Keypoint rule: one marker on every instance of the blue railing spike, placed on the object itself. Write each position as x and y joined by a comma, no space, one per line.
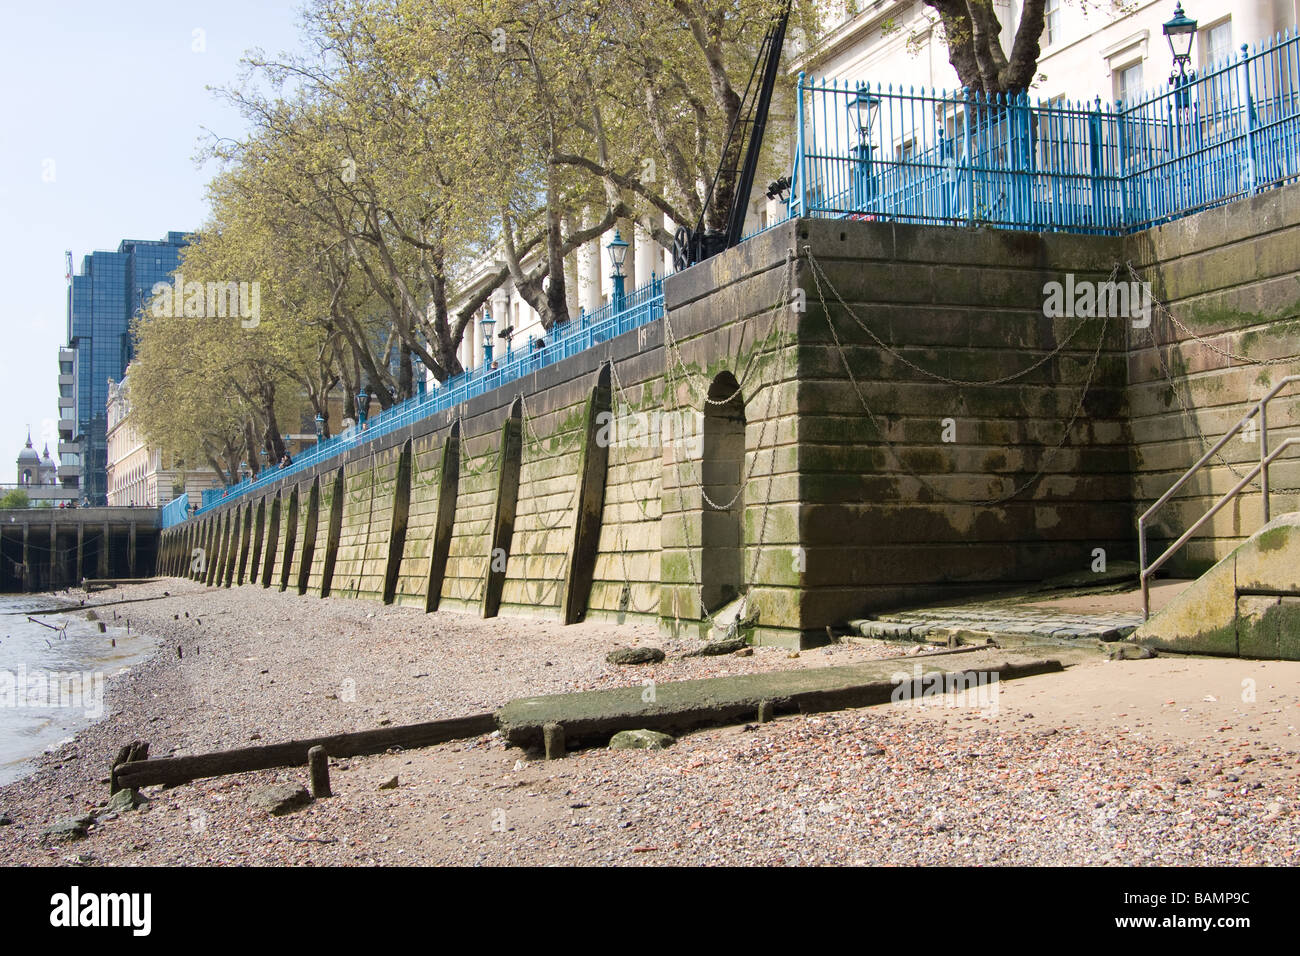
1080,165
1090,164
642,305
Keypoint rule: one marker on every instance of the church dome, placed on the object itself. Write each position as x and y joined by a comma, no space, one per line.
29,464
28,454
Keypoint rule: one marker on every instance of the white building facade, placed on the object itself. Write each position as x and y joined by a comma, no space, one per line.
1089,49
140,475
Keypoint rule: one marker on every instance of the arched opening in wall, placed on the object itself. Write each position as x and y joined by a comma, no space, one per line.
509,460
591,500
722,469
448,487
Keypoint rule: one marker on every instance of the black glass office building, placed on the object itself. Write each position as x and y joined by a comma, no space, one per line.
111,289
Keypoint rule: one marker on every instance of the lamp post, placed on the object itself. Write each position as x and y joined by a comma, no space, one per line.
1180,32
617,256
863,109
320,428
244,471
487,324
363,405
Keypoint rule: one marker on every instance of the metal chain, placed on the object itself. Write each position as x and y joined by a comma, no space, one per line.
674,348
778,309
564,512
705,615
523,406
463,448
1206,444
1226,353
1048,456
620,391
818,275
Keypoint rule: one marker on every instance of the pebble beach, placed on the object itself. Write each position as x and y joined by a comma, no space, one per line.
1159,761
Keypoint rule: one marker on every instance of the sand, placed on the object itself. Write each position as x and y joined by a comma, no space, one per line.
1107,763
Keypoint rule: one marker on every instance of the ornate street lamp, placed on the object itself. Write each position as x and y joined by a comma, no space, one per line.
363,405
417,375
486,325
320,428
863,109
1180,32
617,256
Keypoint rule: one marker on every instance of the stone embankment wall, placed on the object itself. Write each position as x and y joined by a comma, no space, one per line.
1229,331
833,418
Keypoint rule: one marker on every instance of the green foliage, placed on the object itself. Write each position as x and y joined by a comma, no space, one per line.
418,156
17,498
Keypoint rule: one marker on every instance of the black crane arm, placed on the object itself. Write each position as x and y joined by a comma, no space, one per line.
692,246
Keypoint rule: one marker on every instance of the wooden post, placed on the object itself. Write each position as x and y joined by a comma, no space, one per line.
135,750
52,583
27,558
79,570
319,763
764,711
553,741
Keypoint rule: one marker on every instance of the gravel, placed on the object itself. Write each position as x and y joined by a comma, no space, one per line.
882,785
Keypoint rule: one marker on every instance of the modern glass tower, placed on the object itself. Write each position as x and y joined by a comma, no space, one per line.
111,289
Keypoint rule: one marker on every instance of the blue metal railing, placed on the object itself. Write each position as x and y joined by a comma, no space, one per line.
640,307
953,158
176,511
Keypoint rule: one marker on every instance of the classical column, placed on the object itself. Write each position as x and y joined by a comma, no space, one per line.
649,256
500,316
632,275
571,296
591,294
1251,23
473,340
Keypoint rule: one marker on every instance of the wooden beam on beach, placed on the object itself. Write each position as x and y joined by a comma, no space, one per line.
177,770
78,608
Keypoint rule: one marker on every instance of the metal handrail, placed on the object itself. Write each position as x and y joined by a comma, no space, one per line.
1266,458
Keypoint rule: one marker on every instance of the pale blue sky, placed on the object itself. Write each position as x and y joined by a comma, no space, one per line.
101,113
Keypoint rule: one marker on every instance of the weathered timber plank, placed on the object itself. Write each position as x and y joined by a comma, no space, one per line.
174,770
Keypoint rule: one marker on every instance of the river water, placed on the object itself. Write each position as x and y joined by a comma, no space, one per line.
53,673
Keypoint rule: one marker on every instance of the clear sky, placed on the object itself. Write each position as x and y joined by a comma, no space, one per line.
101,115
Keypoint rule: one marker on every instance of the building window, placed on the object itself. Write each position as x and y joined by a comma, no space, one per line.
1128,83
1216,43
1052,21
